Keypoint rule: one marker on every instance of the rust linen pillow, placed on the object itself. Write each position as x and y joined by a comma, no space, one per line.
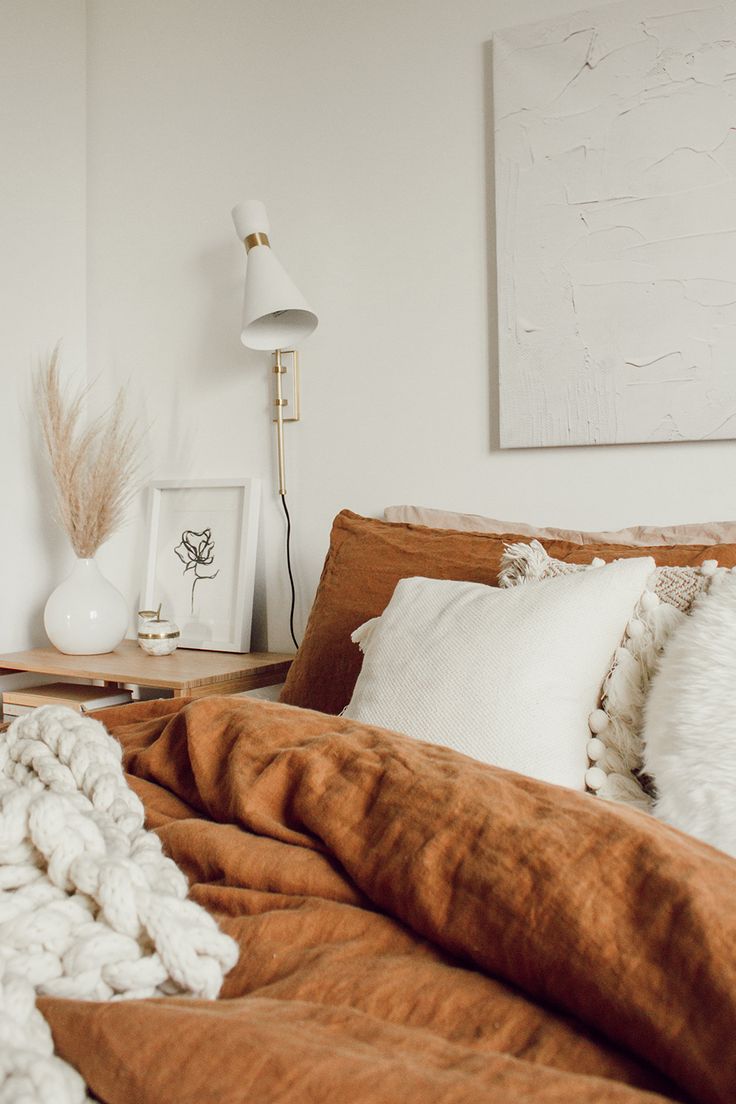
365,561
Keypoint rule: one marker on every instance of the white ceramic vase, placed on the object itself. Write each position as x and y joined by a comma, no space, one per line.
86,615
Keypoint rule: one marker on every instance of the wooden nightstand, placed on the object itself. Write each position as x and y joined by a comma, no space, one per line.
190,674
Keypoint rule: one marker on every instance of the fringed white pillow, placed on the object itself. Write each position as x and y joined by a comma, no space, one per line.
616,749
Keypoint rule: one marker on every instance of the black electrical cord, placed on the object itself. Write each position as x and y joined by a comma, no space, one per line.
291,574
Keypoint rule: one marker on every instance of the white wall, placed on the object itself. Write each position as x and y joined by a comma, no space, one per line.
42,281
366,130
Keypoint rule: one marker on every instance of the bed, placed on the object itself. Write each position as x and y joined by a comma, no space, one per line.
412,924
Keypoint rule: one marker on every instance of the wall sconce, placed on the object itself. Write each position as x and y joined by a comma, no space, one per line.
276,317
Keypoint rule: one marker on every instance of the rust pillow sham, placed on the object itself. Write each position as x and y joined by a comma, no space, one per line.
366,559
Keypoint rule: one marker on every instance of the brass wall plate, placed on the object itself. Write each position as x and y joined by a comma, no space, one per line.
290,398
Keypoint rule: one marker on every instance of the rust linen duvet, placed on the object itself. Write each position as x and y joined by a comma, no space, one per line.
414,926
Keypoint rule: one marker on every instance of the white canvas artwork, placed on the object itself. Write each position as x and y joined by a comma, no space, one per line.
616,225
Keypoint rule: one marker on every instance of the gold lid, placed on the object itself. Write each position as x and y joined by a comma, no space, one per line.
159,635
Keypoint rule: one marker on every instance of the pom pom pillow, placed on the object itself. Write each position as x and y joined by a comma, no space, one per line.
616,745
507,677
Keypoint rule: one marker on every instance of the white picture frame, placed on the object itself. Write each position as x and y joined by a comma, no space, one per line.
203,531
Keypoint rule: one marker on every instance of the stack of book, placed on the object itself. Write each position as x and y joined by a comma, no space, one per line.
85,699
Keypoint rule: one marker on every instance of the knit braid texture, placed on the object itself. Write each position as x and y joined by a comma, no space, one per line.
90,907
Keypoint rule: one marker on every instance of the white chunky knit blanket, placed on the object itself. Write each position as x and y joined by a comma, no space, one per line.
90,908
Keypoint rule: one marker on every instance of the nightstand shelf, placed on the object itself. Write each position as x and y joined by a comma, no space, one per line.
188,673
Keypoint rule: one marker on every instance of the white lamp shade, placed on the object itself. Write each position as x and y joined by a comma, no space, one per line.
275,313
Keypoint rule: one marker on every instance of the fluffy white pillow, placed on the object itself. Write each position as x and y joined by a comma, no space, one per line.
506,676
690,721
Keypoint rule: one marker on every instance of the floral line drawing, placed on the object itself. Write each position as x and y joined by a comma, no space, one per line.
196,550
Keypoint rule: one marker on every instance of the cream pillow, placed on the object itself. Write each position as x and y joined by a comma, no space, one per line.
507,677
707,532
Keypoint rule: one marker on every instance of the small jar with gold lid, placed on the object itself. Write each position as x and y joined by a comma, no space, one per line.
157,635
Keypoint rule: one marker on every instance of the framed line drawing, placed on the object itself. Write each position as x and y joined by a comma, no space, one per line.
201,558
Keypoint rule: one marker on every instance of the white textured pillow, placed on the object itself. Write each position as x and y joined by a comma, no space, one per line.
508,677
690,721
677,586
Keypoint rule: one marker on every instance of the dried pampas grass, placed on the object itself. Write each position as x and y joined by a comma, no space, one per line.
94,467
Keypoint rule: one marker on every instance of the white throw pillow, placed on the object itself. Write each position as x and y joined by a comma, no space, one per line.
690,721
505,676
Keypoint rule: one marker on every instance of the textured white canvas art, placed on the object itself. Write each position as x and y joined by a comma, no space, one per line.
616,225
